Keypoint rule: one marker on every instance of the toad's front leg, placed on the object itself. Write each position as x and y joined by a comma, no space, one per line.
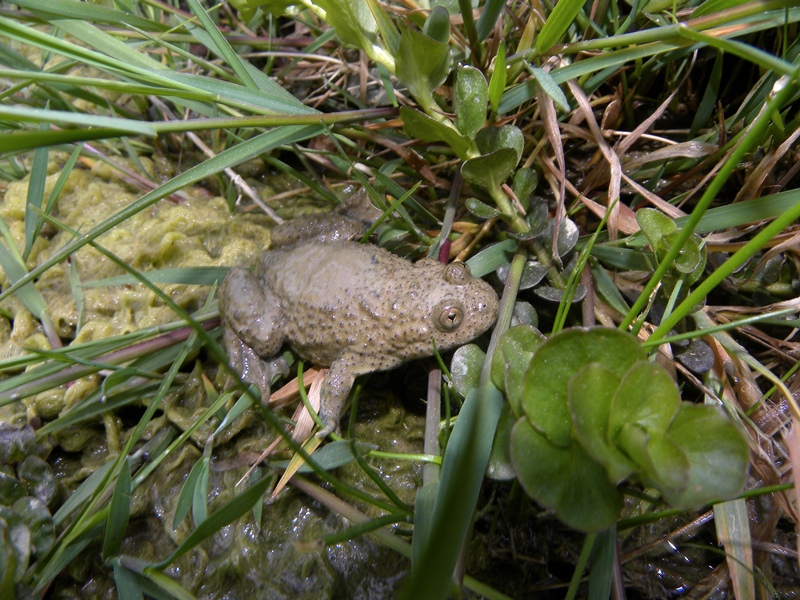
339,381
252,323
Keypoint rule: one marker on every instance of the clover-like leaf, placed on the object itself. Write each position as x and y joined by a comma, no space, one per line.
591,393
511,360
551,294
717,453
689,257
564,479
568,235
545,386
470,100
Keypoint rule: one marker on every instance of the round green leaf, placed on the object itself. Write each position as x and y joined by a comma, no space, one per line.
40,524
717,452
565,480
465,368
647,396
422,64
545,394
511,360
591,392
689,257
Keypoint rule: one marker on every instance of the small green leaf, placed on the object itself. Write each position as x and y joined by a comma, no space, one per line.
490,171
525,183
479,209
655,225
689,258
490,139
500,467
564,479
661,462
550,87
420,125
119,512
511,361
465,368
386,27
646,396
437,25
37,518
470,99
591,393
422,65
717,452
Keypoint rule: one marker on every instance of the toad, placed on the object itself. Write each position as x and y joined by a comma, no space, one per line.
356,308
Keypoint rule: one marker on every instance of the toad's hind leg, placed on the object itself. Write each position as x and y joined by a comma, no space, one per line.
252,324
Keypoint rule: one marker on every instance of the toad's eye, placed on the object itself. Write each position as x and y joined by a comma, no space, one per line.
457,273
448,315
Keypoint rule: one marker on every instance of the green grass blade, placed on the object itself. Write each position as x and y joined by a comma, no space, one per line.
36,185
226,514
187,492
84,11
491,11
217,43
40,115
181,275
557,23
125,582
200,493
733,534
119,512
463,468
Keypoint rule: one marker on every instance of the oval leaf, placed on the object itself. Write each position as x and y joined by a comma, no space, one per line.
470,99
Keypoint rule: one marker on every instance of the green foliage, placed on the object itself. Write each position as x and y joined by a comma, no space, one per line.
593,412
662,233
